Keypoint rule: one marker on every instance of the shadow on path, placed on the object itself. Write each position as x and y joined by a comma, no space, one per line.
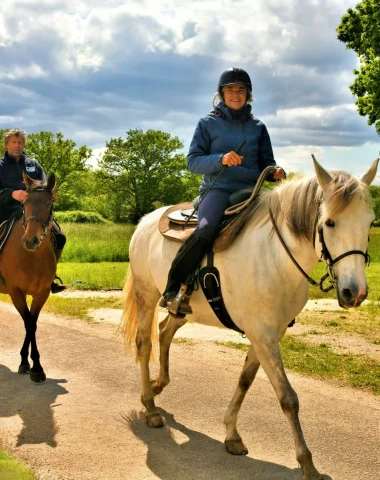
33,403
197,456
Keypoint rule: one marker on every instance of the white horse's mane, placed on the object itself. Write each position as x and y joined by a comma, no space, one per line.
299,204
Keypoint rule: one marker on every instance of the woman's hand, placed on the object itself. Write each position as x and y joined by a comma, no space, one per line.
279,174
231,159
19,195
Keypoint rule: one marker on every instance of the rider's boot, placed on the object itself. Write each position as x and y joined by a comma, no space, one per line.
184,264
56,287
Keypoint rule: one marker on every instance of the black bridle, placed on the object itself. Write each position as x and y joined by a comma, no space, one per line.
45,225
325,255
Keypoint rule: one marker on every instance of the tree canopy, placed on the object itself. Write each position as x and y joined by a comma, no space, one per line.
360,31
146,172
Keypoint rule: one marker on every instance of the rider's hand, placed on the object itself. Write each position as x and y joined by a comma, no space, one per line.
231,158
279,174
19,195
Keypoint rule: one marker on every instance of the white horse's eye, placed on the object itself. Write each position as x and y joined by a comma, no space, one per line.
330,223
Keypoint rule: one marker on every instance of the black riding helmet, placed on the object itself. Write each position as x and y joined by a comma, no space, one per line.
234,75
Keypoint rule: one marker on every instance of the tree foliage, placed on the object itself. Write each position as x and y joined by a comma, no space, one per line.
360,31
145,171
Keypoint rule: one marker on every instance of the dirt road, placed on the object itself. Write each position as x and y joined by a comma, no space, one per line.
85,421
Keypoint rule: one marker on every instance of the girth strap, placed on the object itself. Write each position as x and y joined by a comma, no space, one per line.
209,279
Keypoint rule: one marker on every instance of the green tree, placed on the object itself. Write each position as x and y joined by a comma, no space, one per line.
144,171
360,31
58,155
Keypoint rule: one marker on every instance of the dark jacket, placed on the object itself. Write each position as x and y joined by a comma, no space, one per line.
11,179
218,133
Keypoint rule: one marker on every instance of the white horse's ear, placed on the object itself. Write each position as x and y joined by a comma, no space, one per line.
324,178
370,174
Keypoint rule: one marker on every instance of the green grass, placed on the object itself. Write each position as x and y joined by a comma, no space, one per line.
322,362
93,276
96,243
11,469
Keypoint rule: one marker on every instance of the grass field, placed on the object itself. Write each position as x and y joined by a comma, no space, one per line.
11,469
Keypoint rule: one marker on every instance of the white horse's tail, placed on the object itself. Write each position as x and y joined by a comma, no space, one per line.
128,324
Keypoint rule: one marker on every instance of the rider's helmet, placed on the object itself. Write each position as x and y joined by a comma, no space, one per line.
234,75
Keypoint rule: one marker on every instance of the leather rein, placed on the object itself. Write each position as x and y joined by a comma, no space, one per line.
45,225
325,255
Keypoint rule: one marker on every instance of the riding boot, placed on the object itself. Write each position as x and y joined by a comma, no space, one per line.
56,287
184,264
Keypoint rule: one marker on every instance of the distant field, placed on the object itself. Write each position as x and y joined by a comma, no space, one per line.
89,243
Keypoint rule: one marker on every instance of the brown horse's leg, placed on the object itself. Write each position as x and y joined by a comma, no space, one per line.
168,327
269,356
19,301
37,373
233,441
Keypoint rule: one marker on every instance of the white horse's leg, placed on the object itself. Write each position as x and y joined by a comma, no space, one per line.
269,357
168,328
233,441
146,304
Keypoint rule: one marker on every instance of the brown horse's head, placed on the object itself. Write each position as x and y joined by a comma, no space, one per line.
38,211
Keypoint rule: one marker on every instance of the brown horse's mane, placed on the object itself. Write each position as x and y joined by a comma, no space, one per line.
299,204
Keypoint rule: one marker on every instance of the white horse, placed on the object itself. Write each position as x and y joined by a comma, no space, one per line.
257,275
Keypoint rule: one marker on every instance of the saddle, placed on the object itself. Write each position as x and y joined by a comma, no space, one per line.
178,222
5,230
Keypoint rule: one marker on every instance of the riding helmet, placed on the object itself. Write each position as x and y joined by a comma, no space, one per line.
234,75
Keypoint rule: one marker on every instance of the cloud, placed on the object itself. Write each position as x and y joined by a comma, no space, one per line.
93,70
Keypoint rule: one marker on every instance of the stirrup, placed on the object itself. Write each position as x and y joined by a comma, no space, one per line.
177,305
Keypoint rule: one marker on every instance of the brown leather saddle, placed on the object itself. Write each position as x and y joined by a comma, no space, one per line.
5,230
178,222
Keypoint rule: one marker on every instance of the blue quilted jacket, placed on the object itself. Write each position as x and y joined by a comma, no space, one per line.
218,133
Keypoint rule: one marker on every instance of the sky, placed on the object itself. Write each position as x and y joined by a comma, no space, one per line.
93,70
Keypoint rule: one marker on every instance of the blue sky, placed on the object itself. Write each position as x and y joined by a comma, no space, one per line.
95,69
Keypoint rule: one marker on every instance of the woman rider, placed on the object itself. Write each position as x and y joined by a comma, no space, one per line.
212,148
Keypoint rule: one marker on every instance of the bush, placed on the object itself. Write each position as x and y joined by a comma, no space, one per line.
77,216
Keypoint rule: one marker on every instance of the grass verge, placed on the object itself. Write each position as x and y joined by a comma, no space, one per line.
11,469
93,276
74,306
322,362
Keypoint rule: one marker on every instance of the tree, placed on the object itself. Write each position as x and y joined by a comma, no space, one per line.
360,31
57,154
144,171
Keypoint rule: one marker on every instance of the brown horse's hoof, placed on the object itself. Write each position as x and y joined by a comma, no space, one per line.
154,420
23,369
38,377
236,447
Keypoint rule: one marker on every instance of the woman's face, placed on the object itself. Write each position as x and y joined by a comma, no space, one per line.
235,96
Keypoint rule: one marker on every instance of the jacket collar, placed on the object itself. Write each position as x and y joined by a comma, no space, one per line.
241,115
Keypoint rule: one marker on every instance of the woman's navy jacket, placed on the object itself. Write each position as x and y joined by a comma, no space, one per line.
11,179
218,133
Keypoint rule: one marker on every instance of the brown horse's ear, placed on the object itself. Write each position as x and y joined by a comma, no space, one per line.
27,180
51,182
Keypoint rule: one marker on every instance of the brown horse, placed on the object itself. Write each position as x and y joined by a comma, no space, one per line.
28,265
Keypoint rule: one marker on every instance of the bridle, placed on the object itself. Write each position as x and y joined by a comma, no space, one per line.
45,225
325,255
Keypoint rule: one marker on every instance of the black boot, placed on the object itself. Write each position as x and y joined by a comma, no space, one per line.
184,264
56,287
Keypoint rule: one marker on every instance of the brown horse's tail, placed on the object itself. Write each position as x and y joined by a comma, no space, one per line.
128,325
